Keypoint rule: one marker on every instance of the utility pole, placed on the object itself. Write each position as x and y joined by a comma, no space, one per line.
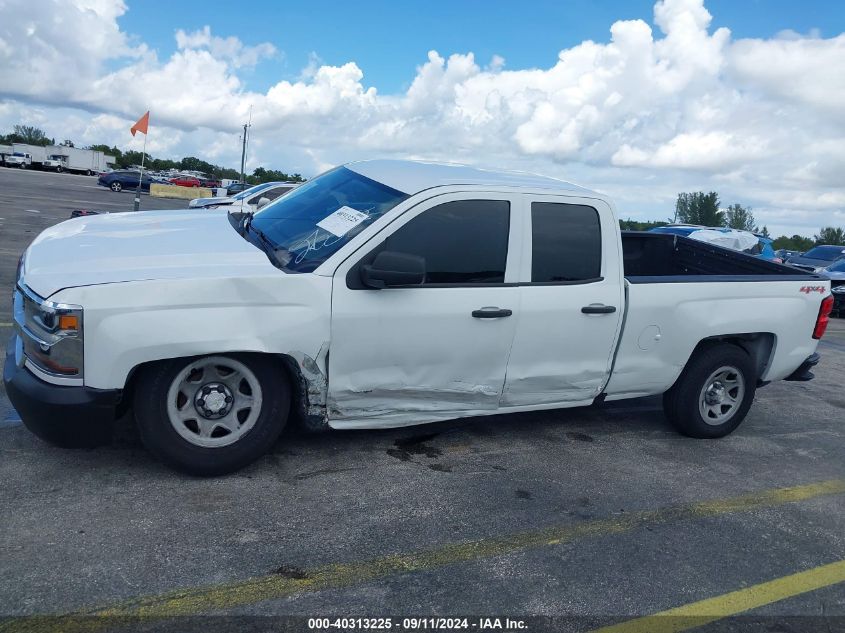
243,146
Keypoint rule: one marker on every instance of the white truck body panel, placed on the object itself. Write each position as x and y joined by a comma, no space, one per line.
72,158
159,285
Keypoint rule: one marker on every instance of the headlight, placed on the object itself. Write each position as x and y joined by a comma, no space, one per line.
51,334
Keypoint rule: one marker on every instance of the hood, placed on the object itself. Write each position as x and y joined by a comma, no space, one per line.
809,261
104,249
204,202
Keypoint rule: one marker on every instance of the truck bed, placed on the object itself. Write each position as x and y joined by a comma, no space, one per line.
680,291
663,258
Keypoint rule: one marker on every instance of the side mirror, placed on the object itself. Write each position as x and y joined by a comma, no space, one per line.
393,269
263,202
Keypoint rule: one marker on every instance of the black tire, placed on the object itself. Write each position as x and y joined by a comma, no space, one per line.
161,438
116,187
59,169
684,401
23,165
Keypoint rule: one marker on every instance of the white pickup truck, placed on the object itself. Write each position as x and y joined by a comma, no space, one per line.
384,294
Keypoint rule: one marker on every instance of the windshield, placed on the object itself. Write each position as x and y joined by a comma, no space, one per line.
313,221
825,252
248,192
838,267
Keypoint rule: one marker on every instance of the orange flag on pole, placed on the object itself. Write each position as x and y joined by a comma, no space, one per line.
141,125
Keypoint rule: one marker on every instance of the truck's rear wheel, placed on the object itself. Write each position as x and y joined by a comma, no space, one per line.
714,392
213,414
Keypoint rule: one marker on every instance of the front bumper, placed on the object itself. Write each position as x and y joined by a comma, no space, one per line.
71,417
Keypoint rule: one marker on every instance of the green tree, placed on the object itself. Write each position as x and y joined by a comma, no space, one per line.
131,158
738,217
765,232
831,235
794,243
270,175
699,208
67,143
31,135
636,225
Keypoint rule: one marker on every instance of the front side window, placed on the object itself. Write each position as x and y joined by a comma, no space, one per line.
566,242
309,224
462,242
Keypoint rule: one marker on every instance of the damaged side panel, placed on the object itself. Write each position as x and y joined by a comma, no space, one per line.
402,356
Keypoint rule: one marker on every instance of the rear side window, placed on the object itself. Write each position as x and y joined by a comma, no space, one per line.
463,242
566,242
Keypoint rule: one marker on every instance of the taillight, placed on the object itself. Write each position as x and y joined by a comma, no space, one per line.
824,317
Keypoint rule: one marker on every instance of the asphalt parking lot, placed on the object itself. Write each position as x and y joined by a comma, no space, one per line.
602,515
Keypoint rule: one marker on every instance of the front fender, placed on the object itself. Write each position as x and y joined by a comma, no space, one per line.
128,324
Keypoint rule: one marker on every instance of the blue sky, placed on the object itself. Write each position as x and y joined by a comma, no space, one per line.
742,97
388,40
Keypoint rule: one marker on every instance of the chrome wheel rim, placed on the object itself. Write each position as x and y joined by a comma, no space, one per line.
721,396
214,401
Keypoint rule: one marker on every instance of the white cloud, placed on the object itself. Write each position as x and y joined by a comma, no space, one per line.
230,49
659,108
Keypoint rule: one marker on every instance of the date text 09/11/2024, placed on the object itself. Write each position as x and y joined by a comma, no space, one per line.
417,624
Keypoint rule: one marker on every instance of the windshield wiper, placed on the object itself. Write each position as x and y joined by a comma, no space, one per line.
266,244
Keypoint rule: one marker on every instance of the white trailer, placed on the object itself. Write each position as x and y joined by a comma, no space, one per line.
60,158
83,161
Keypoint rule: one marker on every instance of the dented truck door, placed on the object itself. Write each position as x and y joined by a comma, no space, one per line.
571,306
409,353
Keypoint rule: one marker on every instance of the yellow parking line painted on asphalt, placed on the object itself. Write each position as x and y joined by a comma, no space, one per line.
705,611
199,600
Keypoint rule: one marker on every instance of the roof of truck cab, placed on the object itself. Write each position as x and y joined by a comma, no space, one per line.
412,176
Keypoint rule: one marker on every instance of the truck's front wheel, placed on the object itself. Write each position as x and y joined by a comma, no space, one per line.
714,392
214,414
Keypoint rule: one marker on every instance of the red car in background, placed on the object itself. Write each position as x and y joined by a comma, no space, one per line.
185,181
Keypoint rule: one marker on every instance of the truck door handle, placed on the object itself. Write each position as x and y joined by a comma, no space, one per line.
490,312
598,308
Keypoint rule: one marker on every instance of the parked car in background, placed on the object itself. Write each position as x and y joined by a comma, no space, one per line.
252,199
185,181
121,179
818,258
785,253
236,187
211,183
836,273
744,241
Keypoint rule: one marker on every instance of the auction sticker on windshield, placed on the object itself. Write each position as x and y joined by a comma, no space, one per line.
342,221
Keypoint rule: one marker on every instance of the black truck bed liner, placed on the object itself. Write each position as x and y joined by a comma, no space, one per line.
664,258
